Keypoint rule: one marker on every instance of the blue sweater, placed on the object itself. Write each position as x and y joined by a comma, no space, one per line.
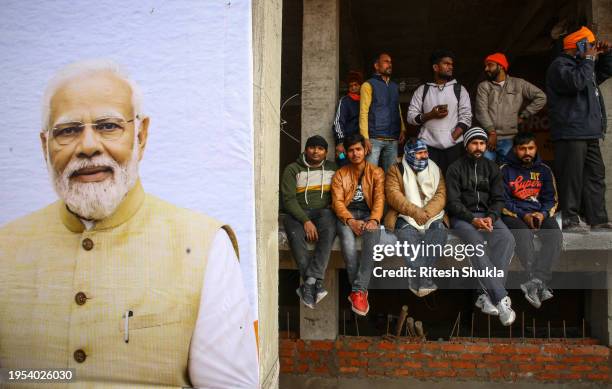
346,121
528,190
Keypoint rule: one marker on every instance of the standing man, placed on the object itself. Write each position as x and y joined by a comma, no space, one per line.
305,188
442,110
498,101
578,122
347,115
380,116
531,201
358,199
475,193
416,195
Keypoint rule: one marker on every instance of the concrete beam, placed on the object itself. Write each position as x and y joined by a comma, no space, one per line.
320,62
322,322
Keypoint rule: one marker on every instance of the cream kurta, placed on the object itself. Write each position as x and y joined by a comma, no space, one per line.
149,257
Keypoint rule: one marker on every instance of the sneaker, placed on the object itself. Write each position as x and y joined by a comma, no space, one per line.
486,306
506,314
545,293
426,287
359,302
307,294
320,291
603,227
574,227
531,289
413,285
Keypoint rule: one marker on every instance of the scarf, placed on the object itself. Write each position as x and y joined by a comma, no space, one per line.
410,150
419,188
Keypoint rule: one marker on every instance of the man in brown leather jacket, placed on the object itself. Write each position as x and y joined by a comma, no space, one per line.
358,199
416,194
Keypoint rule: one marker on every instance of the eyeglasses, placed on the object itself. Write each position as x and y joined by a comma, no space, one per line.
107,128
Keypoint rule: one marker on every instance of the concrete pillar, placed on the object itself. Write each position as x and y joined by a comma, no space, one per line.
322,322
267,34
320,61
602,27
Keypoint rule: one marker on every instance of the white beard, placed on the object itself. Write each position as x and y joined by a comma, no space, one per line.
95,200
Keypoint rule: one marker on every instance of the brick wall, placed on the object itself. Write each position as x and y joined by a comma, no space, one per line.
497,360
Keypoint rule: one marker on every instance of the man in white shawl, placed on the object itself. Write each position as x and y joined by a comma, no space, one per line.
416,195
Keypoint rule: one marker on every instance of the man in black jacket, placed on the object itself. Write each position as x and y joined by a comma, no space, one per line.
578,122
475,198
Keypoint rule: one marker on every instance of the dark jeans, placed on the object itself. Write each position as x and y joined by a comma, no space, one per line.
436,234
444,157
358,265
498,252
581,173
312,265
538,266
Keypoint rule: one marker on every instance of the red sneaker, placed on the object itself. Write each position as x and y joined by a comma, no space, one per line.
359,302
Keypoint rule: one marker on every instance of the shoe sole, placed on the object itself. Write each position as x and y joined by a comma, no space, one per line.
509,323
530,300
425,292
481,307
311,306
357,311
321,296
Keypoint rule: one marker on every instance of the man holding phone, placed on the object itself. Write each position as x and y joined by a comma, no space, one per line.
443,111
530,198
578,122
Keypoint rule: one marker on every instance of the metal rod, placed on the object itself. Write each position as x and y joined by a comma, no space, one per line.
489,327
510,329
288,331
564,333
472,330
549,329
344,321
356,324
523,325
533,327
453,330
459,325
583,329
402,318
388,320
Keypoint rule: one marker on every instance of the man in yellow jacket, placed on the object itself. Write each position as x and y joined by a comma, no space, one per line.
124,288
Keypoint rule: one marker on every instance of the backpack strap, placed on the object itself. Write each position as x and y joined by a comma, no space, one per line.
425,89
457,89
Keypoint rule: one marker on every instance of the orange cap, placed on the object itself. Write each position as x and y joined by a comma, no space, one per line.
498,58
569,42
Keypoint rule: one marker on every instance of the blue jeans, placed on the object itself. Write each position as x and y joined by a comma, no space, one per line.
383,150
358,266
499,155
436,235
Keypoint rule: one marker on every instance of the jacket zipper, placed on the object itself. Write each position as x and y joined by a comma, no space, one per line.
476,185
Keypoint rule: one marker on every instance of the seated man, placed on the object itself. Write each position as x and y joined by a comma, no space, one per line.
416,195
358,199
475,193
531,202
305,188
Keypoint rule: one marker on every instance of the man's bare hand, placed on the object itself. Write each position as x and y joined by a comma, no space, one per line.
528,219
437,112
488,223
340,149
538,218
421,217
312,235
371,225
457,133
368,146
356,226
483,223
492,142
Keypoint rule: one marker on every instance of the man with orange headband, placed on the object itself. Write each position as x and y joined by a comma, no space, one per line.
498,105
578,122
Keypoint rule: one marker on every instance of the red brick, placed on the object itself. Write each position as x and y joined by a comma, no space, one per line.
360,345
421,373
556,367
321,370
389,364
413,365
431,346
321,345
466,373
530,367
357,362
309,355
544,358
419,356
286,368
503,349
394,355
386,346
286,361
371,355
444,373
349,369
401,372
520,358
548,376
303,368
286,352
598,377
554,349
478,348
527,349
438,364
287,344
463,365
495,358
603,368
339,344
571,376
410,346
590,350
347,354
299,344
453,347
471,357
581,368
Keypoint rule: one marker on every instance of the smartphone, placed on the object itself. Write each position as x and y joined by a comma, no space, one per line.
443,107
341,156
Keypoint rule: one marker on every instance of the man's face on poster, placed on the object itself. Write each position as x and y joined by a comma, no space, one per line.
93,144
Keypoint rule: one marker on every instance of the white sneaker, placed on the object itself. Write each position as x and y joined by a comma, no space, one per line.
486,306
506,314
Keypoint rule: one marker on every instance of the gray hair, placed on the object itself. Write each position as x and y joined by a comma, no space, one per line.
82,68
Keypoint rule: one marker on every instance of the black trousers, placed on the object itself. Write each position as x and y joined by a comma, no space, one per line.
538,265
581,174
444,157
